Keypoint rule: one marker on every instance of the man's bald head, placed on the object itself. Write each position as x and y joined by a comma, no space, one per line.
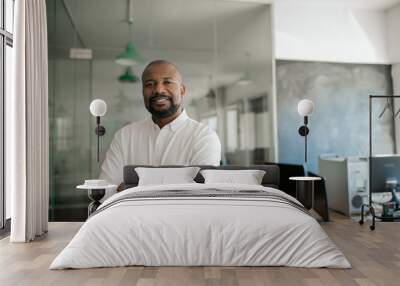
163,89
158,63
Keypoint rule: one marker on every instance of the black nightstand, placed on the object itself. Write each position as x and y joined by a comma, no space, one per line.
95,194
305,190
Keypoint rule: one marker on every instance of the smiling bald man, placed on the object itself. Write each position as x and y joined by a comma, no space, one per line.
169,137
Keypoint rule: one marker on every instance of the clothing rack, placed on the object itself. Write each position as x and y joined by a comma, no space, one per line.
369,205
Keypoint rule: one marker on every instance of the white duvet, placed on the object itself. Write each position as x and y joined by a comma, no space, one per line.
200,231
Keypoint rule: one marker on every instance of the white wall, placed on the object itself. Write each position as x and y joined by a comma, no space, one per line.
330,33
393,34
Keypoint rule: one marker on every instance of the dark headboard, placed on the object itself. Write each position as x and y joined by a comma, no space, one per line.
270,179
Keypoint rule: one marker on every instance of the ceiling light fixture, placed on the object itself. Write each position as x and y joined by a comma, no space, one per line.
128,76
130,56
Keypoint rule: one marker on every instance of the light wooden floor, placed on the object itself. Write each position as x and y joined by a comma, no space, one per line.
374,255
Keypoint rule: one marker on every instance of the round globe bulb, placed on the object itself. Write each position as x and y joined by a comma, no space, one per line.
98,107
305,107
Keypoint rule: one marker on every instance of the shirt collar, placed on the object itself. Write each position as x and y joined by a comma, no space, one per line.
175,124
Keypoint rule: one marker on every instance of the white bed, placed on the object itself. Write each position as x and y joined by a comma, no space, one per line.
206,230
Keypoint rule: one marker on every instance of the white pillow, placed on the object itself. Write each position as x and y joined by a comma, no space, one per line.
163,176
248,177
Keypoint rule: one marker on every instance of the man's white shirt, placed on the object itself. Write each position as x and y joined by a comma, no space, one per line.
184,141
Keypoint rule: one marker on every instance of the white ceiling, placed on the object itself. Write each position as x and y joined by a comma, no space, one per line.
183,27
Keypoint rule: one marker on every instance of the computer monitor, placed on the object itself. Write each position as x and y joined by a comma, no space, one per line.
385,173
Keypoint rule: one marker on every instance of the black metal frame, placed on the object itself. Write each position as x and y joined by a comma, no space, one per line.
95,195
100,131
303,131
369,206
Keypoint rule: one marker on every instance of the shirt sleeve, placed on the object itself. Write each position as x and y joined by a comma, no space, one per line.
207,149
111,169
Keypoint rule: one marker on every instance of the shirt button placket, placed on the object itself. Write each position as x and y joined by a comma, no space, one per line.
159,146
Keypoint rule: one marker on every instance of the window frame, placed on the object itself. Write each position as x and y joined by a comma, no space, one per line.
6,39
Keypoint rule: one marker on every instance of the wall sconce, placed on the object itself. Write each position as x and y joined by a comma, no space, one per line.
98,108
305,107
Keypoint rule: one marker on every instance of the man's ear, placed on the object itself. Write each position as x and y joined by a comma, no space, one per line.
183,90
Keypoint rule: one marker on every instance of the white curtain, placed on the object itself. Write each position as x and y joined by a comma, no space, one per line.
27,124
396,91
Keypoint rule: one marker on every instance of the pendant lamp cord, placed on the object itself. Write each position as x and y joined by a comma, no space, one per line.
130,19
130,30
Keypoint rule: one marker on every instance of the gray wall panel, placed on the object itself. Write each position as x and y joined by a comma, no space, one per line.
339,123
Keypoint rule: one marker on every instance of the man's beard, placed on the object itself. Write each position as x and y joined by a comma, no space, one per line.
173,108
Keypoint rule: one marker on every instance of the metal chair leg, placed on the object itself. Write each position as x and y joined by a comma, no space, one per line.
372,210
361,221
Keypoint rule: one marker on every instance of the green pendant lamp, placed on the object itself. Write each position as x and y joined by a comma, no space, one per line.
128,76
130,56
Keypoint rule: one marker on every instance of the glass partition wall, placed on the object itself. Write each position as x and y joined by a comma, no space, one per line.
223,50
69,122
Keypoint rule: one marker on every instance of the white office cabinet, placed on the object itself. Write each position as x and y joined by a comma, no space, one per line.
346,181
